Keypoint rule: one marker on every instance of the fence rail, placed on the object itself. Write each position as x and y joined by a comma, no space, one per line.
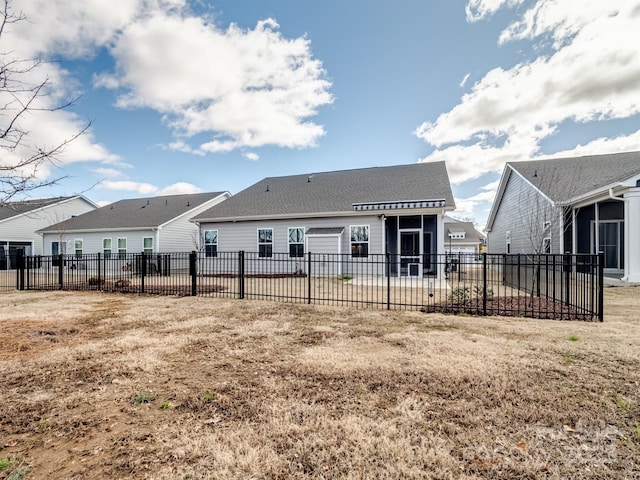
564,287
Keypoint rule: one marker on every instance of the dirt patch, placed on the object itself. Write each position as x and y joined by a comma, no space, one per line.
99,385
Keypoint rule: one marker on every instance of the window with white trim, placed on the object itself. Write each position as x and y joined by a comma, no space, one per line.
546,245
147,245
77,247
106,247
265,242
359,238
211,243
122,248
296,241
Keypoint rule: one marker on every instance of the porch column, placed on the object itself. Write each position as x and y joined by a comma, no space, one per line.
632,235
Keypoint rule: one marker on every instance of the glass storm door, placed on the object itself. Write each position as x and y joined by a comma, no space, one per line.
410,253
610,235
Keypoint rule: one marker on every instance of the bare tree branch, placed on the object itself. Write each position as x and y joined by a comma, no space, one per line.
21,159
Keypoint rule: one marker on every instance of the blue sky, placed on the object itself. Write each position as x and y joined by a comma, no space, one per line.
190,96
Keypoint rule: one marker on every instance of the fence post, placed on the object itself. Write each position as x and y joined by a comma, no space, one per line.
99,264
567,279
143,272
20,264
601,286
241,274
309,277
388,267
484,284
60,270
193,273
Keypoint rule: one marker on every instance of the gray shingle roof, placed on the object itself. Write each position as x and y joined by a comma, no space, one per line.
457,226
13,209
336,191
135,213
562,179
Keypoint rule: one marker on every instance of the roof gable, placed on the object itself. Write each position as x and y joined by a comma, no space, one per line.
564,179
14,209
338,191
138,213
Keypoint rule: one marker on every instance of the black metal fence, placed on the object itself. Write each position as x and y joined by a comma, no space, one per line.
568,287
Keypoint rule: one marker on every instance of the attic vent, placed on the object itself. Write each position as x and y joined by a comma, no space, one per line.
188,203
267,188
309,178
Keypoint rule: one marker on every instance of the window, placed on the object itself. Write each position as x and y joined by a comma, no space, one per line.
211,243
147,245
359,240
296,242
77,246
58,248
508,241
265,242
546,241
122,248
106,247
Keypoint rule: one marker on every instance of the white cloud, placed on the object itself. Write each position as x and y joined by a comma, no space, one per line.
179,188
251,156
469,207
130,186
108,172
477,10
150,189
464,80
246,88
591,74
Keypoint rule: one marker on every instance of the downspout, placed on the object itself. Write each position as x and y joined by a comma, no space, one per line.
613,197
157,245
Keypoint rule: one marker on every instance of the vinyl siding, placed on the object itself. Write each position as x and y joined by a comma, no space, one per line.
181,235
23,228
517,214
92,242
233,237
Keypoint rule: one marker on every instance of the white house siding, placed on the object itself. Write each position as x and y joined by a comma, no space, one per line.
233,237
92,241
23,227
514,215
180,234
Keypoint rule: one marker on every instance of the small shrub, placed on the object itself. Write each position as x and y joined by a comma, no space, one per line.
164,405
460,296
95,281
346,278
4,463
144,397
479,291
574,338
122,283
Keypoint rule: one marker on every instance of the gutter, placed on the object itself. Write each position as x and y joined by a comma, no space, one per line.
613,197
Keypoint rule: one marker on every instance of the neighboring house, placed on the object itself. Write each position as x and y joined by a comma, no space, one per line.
149,225
571,205
362,212
462,238
19,222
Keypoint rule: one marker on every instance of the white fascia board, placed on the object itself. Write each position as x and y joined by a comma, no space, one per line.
188,212
504,179
101,230
40,209
600,193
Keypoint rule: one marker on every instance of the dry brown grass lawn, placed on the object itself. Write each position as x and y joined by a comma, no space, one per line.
114,386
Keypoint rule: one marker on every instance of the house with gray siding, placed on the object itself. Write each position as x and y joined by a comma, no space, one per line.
150,225
19,222
573,205
462,238
357,214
